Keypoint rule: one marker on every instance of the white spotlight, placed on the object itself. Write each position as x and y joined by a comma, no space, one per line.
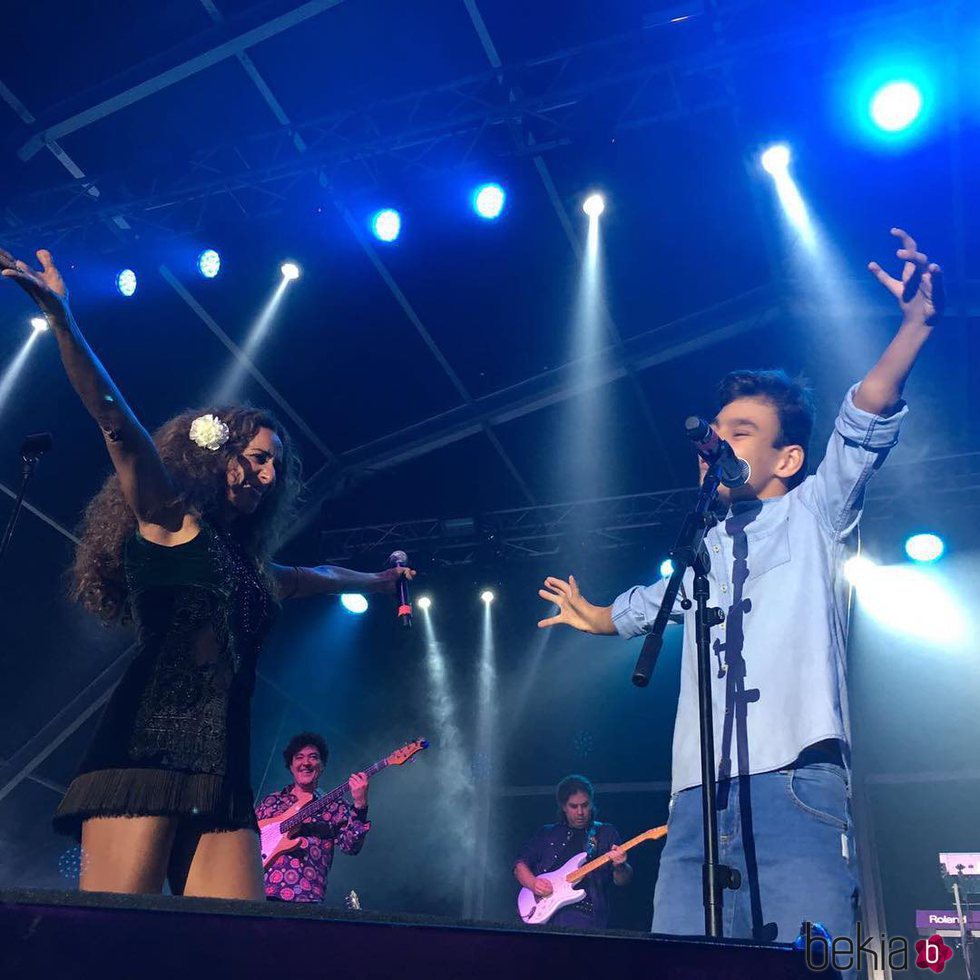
776,159
487,596
488,201
209,263
896,106
594,205
859,570
666,568
386,225
39,323
910,601
354,603
290,270
425,603
126,283
924,547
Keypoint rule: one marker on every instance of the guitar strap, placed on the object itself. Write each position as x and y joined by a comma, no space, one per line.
590,838
591,844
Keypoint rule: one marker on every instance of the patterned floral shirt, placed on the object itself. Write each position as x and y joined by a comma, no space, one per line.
301,875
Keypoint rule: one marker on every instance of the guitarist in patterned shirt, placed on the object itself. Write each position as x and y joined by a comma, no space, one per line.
300,875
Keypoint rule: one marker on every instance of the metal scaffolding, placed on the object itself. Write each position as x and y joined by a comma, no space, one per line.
617,522
598,90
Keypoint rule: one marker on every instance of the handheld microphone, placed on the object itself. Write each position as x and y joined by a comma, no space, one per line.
732,470
398,559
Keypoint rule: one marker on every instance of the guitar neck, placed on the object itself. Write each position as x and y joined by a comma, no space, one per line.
579,873
313,809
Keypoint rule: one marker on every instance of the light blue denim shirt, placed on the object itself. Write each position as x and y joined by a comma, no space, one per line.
779,666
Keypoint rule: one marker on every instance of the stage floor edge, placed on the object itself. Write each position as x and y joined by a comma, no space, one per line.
68,935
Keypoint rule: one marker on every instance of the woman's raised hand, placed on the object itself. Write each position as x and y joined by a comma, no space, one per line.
45,285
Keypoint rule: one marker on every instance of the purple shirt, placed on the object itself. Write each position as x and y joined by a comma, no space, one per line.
301,875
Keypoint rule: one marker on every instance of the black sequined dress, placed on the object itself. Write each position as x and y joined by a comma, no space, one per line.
174,738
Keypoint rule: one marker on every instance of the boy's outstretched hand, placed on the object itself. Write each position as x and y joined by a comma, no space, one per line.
574,609
919,292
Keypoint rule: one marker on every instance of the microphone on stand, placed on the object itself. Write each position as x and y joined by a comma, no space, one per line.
732,470
398,559
31,450
36,445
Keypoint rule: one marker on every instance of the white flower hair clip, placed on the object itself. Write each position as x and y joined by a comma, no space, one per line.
209,432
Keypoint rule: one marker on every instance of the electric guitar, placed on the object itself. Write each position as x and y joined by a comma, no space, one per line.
537,911
277,834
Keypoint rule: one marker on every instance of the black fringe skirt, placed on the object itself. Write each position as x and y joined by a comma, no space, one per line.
208,800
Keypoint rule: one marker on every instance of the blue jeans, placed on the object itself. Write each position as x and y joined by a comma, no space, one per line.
789,835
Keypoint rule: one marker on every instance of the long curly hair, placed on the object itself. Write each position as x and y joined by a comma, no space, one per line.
200,478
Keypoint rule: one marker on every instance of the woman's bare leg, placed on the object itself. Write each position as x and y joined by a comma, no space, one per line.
125,854
225,864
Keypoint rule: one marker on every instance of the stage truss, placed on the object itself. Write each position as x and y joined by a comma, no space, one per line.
898,492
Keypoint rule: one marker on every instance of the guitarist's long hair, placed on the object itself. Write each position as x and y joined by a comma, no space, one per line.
575,783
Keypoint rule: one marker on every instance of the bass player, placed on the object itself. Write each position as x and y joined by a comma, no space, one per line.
300,875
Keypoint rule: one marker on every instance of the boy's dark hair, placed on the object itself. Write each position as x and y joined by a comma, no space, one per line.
300,741
791,398
571,785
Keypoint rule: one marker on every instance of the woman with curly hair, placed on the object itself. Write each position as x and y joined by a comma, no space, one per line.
178,542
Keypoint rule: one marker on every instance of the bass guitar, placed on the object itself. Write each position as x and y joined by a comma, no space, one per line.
278,834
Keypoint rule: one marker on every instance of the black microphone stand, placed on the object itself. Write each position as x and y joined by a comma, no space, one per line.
689,552
33,448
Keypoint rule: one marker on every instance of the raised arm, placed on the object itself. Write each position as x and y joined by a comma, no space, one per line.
146,486
868,425
920,298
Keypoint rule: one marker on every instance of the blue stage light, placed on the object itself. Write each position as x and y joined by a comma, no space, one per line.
896,106
354,602
488,201
925,547
666,568
386,225
126,282
209,263
891,97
